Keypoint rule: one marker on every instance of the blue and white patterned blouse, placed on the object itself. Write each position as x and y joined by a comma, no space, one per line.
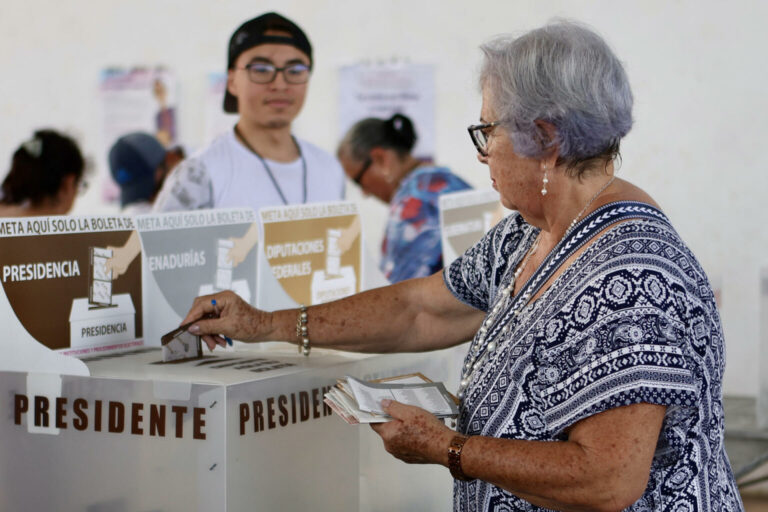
632,320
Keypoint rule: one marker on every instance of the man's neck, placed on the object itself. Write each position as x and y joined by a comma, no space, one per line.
272,143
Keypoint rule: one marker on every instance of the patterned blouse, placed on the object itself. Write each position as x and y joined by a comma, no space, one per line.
632,320
411,246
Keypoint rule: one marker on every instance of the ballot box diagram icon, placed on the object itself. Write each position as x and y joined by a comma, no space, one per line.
185,263
314,259
334,281
61,290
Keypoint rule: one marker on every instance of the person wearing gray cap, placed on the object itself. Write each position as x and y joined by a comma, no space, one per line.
259,162
139,164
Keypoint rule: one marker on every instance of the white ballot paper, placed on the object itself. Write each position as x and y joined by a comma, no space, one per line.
358,401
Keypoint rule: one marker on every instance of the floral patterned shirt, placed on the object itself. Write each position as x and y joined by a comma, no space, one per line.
411,246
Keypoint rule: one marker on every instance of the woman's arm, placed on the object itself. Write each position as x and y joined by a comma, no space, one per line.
603,465
411,316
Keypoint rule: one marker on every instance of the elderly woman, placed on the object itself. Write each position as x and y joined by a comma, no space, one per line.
594,378
376,154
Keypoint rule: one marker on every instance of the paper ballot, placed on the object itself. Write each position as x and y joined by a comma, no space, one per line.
359,401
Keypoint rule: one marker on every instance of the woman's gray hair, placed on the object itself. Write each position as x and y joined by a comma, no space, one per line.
566,75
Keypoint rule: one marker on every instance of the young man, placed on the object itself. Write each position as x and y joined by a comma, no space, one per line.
259,163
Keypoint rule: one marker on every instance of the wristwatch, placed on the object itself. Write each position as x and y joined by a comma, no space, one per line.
454,458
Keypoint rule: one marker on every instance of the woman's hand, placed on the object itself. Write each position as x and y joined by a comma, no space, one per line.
233,318
414,436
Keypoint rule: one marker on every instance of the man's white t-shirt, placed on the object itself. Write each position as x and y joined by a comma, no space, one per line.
226,174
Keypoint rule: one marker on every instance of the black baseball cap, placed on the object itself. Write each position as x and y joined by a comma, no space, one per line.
251,33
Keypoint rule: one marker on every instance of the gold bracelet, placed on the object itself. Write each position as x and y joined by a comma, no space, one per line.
454,458
302,332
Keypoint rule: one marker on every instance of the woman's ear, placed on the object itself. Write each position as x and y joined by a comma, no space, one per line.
384,162
379,156
65,197
547,140
68,184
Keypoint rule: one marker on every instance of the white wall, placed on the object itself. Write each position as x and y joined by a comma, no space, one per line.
697,69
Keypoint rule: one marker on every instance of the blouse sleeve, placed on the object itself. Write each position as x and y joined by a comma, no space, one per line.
622,336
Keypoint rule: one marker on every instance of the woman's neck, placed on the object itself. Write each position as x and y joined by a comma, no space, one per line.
271,143
409,164
570,199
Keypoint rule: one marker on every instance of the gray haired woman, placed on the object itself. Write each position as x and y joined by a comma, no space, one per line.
593,381
376,154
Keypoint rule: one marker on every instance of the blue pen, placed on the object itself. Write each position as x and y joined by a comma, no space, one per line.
216,310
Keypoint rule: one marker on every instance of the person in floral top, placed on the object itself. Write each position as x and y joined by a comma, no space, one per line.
376,154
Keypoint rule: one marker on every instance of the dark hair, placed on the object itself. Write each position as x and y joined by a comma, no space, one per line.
38,167
396,133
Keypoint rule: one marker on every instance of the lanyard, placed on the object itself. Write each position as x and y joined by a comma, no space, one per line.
269,171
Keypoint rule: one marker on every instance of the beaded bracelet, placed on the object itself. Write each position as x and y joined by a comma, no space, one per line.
302,332
454,458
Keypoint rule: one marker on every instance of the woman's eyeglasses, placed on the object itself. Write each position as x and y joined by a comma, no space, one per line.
479,133
357,179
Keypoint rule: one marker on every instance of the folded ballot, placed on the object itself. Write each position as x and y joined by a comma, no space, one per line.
358,401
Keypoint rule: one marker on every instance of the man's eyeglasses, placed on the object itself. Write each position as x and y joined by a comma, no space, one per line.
265,73
357,179
479,133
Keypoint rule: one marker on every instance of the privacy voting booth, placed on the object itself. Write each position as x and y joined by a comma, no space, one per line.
93,420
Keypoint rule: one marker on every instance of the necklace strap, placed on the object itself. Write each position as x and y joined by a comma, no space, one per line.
269,171
573,240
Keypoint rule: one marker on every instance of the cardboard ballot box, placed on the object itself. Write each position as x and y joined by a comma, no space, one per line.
235,430
91,324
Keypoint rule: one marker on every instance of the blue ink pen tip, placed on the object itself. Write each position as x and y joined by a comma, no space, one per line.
229,340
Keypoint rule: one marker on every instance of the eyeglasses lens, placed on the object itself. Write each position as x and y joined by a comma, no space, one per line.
482,139
263,73
359,178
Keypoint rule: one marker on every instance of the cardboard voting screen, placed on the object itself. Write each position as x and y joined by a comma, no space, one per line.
311,254
187,254
64,288
465,217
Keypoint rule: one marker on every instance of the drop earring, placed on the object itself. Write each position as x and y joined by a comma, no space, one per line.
544,182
